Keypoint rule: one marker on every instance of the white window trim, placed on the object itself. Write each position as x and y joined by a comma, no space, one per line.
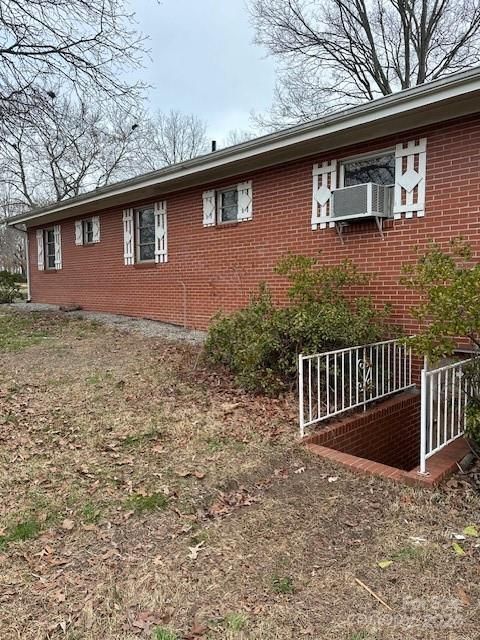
218,209
136,212
361,156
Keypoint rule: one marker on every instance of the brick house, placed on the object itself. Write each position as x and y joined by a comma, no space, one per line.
371,183
183,242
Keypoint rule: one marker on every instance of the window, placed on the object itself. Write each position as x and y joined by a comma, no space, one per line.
87,231
379,169
49,247
145,234
227,205
233,204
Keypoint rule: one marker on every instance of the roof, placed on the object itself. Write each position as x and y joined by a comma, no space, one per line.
447,98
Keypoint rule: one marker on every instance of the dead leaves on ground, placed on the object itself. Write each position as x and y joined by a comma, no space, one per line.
228,502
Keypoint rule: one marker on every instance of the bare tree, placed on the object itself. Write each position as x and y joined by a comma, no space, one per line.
12,250
237,136
174,137
84,44
70,149
336,53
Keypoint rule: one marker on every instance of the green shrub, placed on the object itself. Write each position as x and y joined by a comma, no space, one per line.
9,289
260,343
471,381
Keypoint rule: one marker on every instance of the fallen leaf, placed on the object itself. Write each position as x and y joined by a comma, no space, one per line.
463,595
417,540
68,525
458,549
197,631
300,470
458,536
471,530
194,551
383,564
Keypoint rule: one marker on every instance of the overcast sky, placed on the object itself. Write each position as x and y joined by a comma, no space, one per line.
204,61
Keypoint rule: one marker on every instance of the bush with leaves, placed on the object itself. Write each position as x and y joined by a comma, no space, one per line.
9,288
260,343
448,282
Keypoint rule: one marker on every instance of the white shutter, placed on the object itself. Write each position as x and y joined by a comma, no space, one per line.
324,182
128,236
58,246
245,201
161,232
96,228
209,207
410,171
78,232
40,253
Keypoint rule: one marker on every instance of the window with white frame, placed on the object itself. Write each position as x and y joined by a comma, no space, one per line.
378,168
227,205
145,234
230,204
402,168
87,231
49,247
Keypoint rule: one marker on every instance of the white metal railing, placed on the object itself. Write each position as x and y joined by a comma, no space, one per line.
444,399
337,381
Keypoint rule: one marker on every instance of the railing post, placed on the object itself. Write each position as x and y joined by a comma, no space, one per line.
423,419
300,395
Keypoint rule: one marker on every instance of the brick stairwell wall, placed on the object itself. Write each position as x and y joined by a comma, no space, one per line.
388,432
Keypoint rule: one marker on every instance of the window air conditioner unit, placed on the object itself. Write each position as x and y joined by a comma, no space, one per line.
361,201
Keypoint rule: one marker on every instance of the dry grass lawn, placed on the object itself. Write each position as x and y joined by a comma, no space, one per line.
141,497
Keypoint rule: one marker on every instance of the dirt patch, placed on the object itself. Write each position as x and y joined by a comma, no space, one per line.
142,496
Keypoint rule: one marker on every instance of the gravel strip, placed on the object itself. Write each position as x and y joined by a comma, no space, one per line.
148,328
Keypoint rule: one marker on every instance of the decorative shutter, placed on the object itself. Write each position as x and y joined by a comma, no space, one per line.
96,228
161,232
410,170
209,207
245,201
41,256
78,232
324,182
128,236
58,246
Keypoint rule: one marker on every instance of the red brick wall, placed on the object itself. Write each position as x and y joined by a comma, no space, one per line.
219,267
388,433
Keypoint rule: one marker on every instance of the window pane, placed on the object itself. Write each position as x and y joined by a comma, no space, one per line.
147,252
380,170
87,231
146,233
49,247
146,217
229,205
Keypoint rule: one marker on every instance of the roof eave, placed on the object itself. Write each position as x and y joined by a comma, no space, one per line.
408,109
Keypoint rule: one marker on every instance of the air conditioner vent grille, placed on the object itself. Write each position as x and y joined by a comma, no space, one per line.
362,201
